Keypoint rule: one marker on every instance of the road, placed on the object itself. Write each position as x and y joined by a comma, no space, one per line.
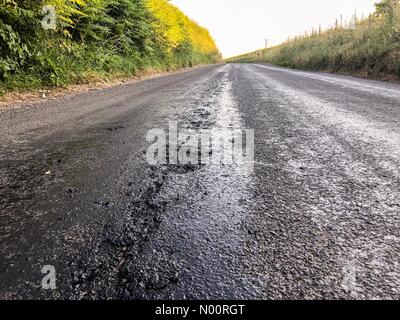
318,218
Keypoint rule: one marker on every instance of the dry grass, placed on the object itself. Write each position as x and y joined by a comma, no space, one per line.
371,48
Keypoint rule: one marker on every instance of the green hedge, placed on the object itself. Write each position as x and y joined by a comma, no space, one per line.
93,39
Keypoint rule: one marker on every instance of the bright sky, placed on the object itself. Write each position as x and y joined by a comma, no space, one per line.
240,26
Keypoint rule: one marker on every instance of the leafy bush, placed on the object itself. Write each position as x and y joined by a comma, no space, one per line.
95,39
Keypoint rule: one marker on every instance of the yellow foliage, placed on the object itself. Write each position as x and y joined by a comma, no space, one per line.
176,27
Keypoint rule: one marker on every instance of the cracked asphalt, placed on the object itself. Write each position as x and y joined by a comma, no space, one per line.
318,218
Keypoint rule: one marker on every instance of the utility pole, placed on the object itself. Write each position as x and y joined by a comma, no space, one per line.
266,43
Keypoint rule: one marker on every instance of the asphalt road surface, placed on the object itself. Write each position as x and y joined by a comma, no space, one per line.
318,218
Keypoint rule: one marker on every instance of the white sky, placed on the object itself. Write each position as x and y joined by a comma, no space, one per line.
241,26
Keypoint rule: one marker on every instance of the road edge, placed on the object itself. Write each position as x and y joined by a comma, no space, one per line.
26,98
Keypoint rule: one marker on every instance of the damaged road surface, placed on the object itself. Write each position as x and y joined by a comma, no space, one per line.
317,218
